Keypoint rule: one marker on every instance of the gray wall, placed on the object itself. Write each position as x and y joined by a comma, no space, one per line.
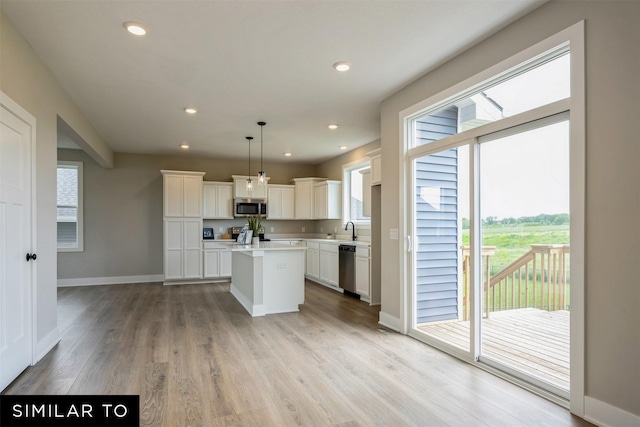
332,169
123,211
26,80
612,232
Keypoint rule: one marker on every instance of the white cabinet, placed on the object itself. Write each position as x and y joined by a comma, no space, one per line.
182,229
313,260
182,194
362,272
376,166
217,261
281,202
304,197
217,200
182,252
366,192
327,197
240,188
329,263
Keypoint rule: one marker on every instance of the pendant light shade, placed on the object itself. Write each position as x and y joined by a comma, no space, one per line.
262,175
249,183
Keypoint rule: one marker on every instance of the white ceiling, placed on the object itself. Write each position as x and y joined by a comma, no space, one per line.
240,62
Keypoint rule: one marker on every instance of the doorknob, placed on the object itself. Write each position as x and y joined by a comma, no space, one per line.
31,257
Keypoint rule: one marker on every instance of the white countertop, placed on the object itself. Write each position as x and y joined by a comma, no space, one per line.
266,246
232,243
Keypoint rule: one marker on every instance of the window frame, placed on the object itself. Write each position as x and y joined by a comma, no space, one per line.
362,163
79,246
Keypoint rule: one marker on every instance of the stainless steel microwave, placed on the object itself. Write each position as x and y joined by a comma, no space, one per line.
248,207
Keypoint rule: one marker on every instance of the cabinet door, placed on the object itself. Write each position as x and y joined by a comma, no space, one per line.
224,200
211,263
225,263
173,245
192,249
209,200
376,170
287,207
192,193
366,194
329,267
320,201
313,263
362,276
274,201
304,200
173,195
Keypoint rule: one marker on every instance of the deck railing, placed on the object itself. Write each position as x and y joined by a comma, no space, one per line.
537,279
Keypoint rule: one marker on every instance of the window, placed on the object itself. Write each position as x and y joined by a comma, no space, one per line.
69,207
541,81
355,192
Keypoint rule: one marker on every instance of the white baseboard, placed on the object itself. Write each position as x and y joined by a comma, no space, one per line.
113,280
603,414
253,310
45,345
390,322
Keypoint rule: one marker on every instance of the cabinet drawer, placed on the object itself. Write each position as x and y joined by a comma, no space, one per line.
362,252
313,245
329,247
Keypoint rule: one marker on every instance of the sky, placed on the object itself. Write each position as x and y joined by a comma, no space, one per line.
528,173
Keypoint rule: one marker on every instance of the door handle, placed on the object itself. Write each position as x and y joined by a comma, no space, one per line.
31,257
410,244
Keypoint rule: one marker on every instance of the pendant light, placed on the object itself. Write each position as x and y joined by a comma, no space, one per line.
262,175
249,183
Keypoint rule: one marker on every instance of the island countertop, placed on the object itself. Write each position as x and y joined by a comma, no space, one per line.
266,246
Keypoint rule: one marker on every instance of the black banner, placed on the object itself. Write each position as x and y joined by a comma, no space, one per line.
70,411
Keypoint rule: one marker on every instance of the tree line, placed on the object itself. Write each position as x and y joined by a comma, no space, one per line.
542,219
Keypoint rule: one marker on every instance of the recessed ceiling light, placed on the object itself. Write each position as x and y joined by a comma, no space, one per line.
184,145
343,147
135,28
287,154
190,110
342,66
333,126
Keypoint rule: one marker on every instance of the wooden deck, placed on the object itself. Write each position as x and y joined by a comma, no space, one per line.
532,341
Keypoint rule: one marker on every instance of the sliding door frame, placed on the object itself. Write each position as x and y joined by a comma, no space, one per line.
573,37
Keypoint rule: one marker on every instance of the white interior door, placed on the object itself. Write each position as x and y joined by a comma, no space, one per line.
15,244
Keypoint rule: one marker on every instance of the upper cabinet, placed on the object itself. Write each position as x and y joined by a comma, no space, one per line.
240,188
366,192
217,200
304,197
327,196
182,194
281,202
376,167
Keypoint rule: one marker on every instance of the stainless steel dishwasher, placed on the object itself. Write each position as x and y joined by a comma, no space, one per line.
347,267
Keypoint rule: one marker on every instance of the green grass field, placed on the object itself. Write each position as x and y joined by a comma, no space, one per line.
513,241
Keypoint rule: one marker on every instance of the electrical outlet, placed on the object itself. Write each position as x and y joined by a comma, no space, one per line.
220,230
322,229
303,229
273,229
335,230
393,233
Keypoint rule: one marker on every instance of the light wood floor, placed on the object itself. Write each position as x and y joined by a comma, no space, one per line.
532,341
196,358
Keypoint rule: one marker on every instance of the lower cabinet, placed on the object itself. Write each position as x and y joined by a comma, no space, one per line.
329,263
313,260
182,248
363,284
322,263
217,262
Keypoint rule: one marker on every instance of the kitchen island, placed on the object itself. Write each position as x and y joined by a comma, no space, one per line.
268,278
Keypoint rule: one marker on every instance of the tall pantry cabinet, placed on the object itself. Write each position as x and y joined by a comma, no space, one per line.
182,206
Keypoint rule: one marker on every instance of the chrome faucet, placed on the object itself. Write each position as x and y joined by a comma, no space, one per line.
353,230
